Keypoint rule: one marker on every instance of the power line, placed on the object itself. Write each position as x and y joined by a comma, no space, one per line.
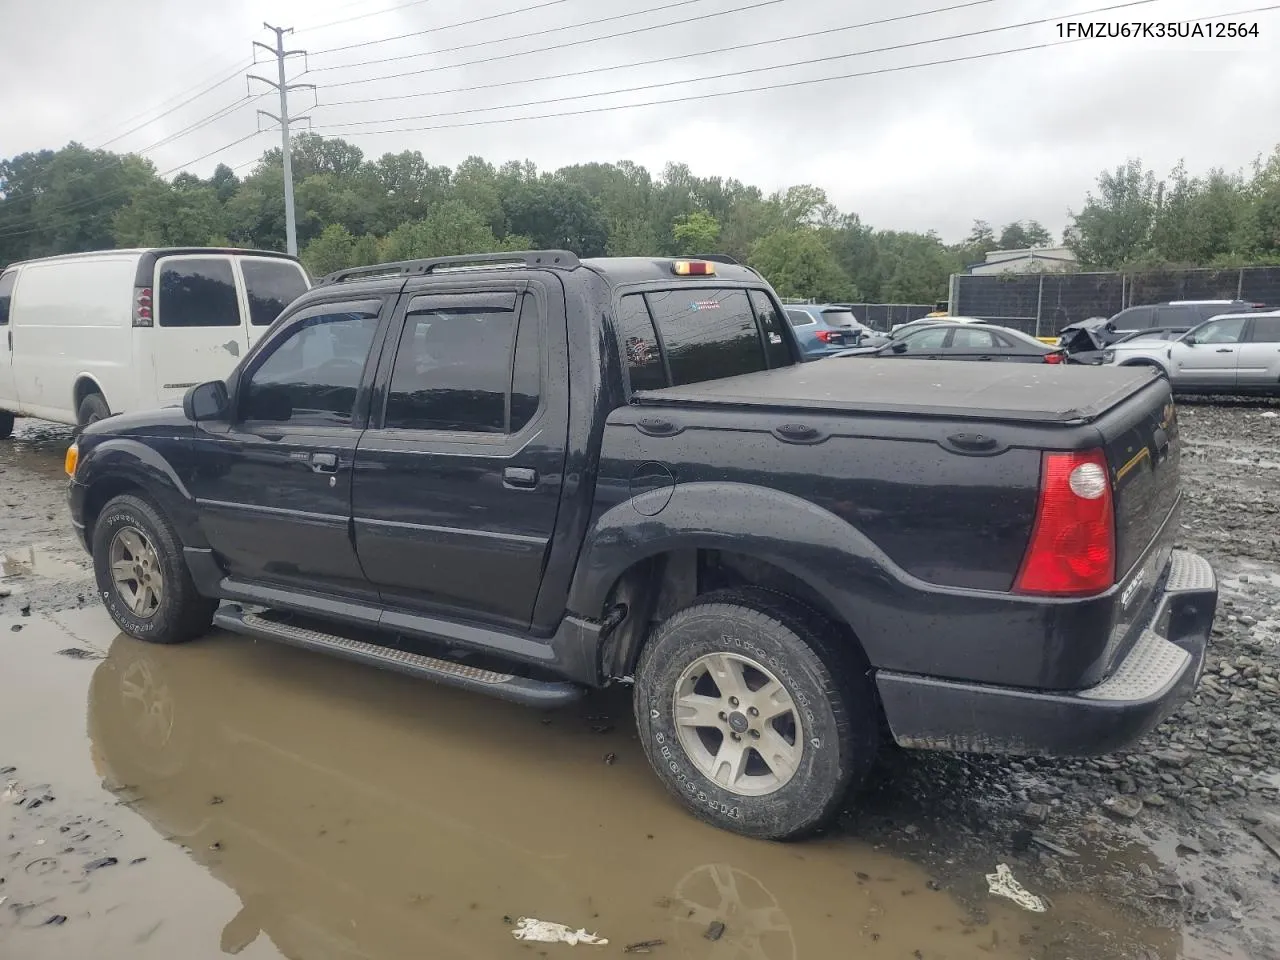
460,23
359,16
181,93
744,72
685,21
766,87
231,76
671,59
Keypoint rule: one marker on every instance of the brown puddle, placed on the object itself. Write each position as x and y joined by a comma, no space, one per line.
333,811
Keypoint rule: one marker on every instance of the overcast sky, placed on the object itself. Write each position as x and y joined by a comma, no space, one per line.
1021,135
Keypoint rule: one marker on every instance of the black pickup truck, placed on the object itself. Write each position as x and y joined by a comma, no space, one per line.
529,475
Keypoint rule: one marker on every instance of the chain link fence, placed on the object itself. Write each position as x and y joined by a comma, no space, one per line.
1043,303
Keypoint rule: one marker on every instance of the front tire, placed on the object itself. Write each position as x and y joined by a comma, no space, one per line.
142,577
756,713
92,409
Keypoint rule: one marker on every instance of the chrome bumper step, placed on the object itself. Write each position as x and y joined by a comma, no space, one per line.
505,686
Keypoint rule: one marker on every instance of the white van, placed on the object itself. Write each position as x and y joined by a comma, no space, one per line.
87,335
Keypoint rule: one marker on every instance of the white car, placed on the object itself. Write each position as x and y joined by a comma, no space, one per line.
1231,353
87,335
923,320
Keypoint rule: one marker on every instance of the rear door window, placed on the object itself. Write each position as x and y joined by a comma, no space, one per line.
271,286
800,318
967,339
6,295
1265,329
197,292
707,333
453,368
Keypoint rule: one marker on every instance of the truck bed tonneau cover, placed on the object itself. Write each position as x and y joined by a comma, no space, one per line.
942,388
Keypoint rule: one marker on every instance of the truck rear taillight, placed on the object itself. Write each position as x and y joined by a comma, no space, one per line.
142,315
1073,542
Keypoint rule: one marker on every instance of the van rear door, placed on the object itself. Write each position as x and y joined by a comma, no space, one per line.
199,333
270,285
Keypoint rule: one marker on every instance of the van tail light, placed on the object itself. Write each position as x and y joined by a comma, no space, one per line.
142,314
1058,357
1073,542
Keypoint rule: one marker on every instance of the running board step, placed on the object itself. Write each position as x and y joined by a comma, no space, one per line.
504,686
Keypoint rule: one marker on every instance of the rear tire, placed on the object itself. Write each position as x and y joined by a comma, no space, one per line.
142,576
6,425
92,409
724,758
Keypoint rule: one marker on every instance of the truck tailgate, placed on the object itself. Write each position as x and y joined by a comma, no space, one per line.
1143,449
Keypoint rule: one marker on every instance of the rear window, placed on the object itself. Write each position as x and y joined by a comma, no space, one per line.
840,318
272,285
800,318
197,292
707,334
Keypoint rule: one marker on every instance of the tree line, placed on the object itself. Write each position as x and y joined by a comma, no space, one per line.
353,211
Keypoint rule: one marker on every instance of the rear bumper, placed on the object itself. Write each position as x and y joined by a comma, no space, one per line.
1157,675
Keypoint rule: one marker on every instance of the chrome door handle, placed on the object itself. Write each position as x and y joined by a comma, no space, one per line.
324,462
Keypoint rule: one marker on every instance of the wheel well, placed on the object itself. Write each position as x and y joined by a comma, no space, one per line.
100,494
84,386
654,588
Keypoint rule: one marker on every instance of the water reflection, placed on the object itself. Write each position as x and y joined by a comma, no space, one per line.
363,814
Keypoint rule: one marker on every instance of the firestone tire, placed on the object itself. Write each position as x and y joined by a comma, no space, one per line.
776,643
157,601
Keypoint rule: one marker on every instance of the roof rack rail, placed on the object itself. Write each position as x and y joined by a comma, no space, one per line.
714,258
553,259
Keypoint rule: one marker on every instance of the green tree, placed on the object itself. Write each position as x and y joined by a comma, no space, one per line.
695,233
65,201
183,213
1114,226
799,264
450,229
333,250
1022,234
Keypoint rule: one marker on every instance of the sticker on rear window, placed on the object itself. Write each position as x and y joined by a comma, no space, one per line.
697,305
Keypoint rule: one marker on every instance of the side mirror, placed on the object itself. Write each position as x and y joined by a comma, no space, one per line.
1189,340
207,401
899,347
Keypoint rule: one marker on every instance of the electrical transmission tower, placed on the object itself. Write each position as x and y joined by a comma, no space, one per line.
284,87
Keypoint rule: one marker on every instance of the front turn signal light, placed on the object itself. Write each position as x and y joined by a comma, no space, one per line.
72,459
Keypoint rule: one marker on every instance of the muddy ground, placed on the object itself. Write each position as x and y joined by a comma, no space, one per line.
235,797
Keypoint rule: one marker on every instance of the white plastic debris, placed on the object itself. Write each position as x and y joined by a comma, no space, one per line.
13,793
1002,884
544,931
